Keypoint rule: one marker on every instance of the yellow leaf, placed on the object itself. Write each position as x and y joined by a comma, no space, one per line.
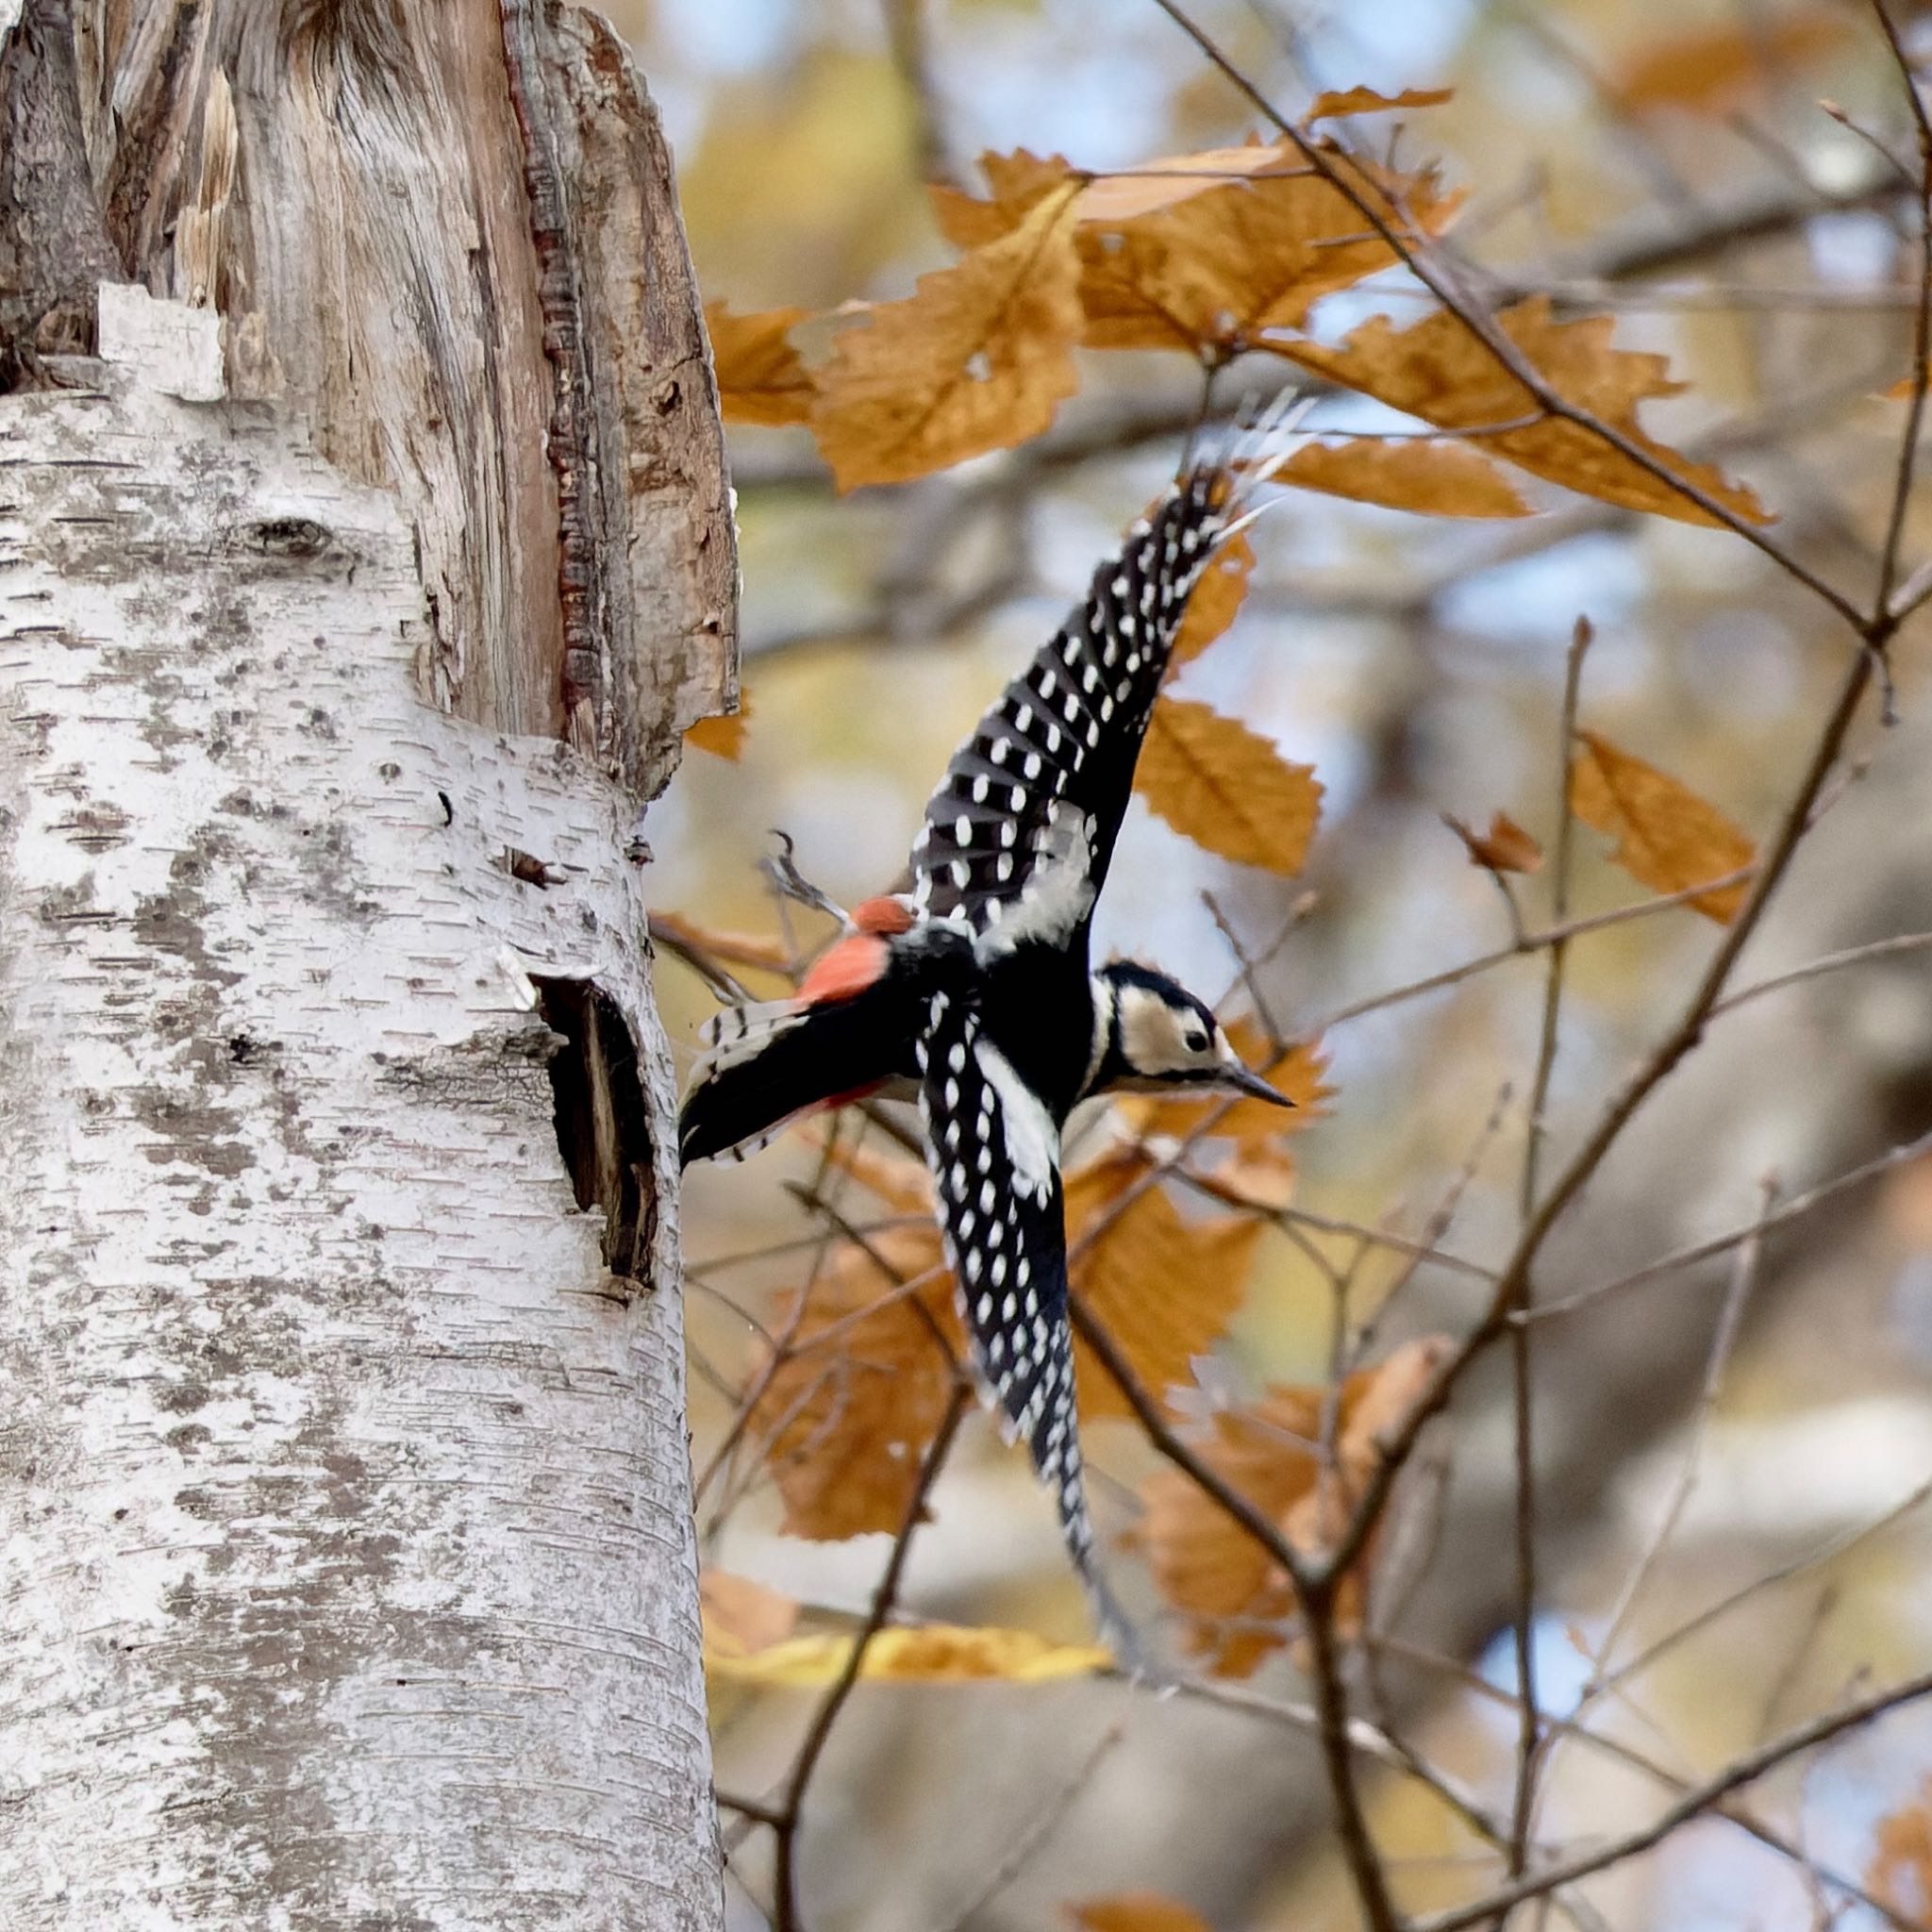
1504,847
1365,100
740,1616
1019,182
1136,1911
977,359
851,1410
760,378
722,736
1716,69
1436,369
1164,1289
1668,837
1210,271
1226,788
1210,1569
1437,478
939,1654
1217,598
1296,1072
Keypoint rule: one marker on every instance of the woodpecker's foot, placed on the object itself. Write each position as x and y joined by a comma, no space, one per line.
793,884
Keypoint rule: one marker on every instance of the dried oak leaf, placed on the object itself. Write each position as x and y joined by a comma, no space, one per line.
977,359
1901,1868
1365,100
723,736
740,1616
1217,599
1667,836
851,1409
761,378
1296,1072
1164,1289
1438,370
1017,182
1226,788
1135,1911
1233,1598
1211,273
1436,478
1504,847
936,1654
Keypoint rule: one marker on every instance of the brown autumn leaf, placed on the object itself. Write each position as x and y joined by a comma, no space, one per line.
1365,100
1436,369
1901,1868
723,736
1227,788
1210,1568
1716,69
851,1410
1667,836
740,1616
1296,1073
1017,182
1135,1911
977,359
1437,477
1164,1289
1217,599
933,1653
761,378
1504,847
1211,273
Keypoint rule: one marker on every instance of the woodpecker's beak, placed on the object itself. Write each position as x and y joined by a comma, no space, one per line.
1245,1080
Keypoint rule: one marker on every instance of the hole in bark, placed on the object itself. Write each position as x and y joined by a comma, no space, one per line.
602,1127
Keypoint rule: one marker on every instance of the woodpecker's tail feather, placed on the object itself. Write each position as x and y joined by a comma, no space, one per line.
771,1062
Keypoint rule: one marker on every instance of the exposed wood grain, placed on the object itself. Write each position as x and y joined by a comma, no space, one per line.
446,238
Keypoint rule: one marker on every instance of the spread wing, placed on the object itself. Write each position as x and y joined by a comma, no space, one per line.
994,1152
1042,784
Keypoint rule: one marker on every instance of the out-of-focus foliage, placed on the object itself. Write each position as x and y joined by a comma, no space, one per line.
1673,234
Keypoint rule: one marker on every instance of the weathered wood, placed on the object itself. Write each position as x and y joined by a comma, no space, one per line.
54,245
446,236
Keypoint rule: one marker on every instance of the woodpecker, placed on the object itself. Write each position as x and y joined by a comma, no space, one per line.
972,991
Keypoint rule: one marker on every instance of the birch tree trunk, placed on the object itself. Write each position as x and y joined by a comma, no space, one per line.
354,591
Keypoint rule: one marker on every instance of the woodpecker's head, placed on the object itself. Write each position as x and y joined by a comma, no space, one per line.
1154,1036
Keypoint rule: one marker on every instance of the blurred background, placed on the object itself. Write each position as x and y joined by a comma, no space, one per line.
1666,161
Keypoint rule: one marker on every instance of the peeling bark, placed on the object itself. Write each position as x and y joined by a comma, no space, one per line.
350,607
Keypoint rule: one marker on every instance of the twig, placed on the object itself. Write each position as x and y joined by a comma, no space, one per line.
1794,1209
1829,962
784,1824
1922,329
1529,1734
1697,1800
1033,1839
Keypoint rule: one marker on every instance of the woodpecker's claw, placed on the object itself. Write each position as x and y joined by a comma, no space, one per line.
1247,1081
789,881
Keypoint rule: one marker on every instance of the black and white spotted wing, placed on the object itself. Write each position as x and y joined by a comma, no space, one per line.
994,1152
1045,778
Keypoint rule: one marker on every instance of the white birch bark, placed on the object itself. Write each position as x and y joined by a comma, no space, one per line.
348,1572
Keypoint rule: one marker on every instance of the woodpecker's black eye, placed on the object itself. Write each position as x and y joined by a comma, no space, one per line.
1194,1041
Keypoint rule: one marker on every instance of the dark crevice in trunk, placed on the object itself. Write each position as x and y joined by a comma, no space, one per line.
603,1122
